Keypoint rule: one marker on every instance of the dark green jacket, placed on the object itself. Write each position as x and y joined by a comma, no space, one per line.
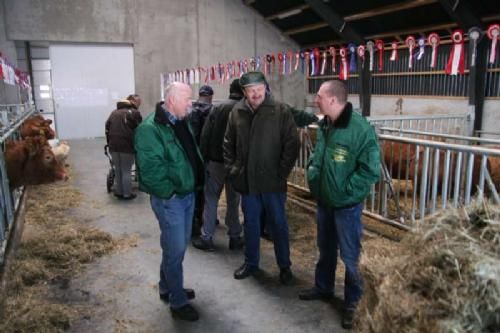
345,161
162,164
260,147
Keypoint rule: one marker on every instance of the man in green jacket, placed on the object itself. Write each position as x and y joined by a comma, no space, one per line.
260,148
344,165
170,168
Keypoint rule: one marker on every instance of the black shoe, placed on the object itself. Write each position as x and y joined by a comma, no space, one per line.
244,271
236,243
129,197
286,275
189,294
202,244
119,196
347,318
186,312
314,295
217,222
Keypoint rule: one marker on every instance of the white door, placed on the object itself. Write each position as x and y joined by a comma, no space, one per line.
87,81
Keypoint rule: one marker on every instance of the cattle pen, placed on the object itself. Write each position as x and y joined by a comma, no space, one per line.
11,118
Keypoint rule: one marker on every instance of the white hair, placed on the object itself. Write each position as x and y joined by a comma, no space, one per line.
172,89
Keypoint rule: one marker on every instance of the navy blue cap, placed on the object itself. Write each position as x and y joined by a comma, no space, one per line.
206,91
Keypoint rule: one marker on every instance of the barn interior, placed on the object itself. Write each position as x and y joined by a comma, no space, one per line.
424,73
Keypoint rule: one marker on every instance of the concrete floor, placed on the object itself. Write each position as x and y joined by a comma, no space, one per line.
122,288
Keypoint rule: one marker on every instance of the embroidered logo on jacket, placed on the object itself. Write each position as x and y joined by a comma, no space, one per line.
340,154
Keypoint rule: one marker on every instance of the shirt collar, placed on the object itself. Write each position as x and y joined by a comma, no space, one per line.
170,116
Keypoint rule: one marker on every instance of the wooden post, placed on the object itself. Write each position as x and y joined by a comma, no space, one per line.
477,78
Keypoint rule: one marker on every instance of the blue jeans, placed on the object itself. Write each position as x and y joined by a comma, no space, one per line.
175,217
339,229
274,205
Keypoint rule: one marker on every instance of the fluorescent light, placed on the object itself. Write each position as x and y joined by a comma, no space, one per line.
44,95
290,13
44,88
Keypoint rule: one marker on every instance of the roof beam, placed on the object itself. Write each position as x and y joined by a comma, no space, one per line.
459,12
335,21
388,9
426,28
359,16
284,13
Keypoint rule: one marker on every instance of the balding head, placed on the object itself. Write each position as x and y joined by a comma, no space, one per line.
178,99
336,88
331,98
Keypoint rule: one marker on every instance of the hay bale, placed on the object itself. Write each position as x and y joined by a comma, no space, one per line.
443,278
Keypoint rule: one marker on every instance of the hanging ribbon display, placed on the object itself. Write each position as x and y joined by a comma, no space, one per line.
267,66
352,59
332,52
297,61
306,62
323,62
421,48
313,63
361,54
252,63
302,62
493,34
433,40
344,70
317,56
394,52
212,76
379,44
370,45
289,61
456,60
474,35
285,63
410,42
273,63
280,60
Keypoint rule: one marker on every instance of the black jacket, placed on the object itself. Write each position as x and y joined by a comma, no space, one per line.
260,147
197,118
212,135
120,127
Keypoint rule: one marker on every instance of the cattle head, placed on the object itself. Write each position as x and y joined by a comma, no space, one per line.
32,162
37,126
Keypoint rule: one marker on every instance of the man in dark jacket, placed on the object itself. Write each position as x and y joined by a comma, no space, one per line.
170,168
197,117
344,165
119,129
212,139
260,148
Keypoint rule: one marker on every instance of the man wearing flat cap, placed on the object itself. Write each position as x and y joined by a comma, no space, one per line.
261,145
197,117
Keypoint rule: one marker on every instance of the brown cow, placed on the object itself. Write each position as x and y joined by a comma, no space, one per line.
32,162
37,126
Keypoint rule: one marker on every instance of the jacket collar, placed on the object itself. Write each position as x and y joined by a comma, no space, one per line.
342,121
162,116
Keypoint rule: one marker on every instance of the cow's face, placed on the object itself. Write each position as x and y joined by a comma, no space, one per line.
42,166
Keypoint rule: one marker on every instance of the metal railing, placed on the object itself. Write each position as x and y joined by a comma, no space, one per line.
450,138
450,124
421,176
11,118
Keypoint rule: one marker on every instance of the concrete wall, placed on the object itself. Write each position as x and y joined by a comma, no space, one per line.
166,35
9,94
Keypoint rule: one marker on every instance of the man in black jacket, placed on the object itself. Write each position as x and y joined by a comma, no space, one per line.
197,117
260,148
119,129
212,139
